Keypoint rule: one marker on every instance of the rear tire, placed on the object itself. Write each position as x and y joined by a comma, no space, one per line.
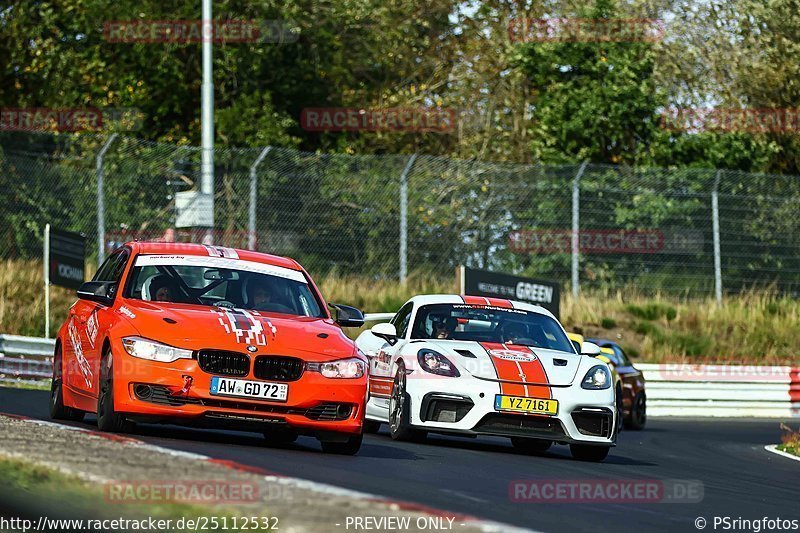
59,411
371,426
349,447
107,417
531,446
638,416
585,452
400,410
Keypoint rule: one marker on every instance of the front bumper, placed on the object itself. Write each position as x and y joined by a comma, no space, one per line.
143,391
466,406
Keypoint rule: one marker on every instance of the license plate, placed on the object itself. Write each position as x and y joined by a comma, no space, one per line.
258,390
521,404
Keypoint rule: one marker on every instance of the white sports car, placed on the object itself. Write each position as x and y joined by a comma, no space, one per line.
486,366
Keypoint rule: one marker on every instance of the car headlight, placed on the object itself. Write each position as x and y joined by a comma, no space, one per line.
154,351
435,363
343,369
597,378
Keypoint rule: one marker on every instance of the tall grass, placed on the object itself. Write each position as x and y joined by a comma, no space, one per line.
756,327
22,299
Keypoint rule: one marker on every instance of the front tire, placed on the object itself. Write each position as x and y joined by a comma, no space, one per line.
585,452
638,416
400,410
59,411
107,417
530,446
348,447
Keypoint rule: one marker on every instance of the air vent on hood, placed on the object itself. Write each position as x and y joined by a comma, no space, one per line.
466,353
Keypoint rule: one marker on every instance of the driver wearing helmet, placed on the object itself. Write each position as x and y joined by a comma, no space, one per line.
514,331
164,289
443,326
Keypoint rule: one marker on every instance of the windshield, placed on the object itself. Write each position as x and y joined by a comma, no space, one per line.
222,282
489,324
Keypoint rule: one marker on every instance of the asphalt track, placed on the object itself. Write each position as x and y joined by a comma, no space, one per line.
740,479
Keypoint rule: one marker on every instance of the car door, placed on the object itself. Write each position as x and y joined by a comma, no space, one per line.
380,364
78,371
103,317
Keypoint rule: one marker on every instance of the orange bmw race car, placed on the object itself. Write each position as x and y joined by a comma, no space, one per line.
210,336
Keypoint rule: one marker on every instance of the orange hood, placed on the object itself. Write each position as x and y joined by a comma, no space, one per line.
196,327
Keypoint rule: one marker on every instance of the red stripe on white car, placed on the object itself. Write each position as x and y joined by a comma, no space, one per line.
380,386
475,300
506,370
500,302
523,370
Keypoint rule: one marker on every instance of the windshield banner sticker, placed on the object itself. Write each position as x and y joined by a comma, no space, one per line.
220,262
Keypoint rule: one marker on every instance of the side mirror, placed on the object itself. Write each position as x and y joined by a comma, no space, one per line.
346,316
385,331
101,292
590,348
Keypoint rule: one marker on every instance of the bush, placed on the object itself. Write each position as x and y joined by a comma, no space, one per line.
691,344
608,323
652,311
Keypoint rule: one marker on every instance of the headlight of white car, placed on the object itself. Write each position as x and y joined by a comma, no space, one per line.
436,363
154,351
343,369
597,378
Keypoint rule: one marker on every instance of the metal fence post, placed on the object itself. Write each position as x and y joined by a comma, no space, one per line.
404,219
715,223
576,220
101,201
251,237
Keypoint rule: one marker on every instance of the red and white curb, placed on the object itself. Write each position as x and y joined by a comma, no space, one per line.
461,519
773,448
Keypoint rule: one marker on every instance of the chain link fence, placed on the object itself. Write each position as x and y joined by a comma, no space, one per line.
693,232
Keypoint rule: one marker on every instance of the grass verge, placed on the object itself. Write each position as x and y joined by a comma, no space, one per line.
40,490
790,441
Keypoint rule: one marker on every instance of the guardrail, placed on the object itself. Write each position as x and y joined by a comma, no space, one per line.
25,359
722,390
